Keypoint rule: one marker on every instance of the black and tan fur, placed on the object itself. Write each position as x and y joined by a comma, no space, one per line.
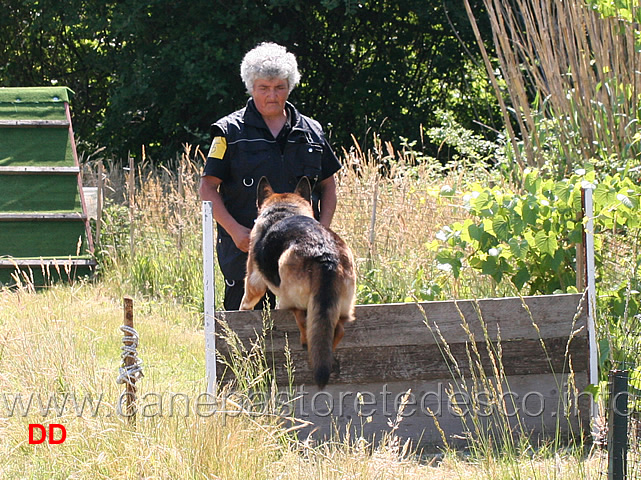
309,268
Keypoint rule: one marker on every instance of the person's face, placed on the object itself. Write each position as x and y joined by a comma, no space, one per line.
270,95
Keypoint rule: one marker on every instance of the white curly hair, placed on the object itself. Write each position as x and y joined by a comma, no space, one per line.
269,60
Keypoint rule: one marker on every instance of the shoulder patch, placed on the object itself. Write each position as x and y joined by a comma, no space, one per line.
218,148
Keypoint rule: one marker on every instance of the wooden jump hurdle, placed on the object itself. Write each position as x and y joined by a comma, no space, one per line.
542,342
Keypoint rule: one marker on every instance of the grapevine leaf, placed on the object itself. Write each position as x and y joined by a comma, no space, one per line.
521,277
545,243
519,248
501,228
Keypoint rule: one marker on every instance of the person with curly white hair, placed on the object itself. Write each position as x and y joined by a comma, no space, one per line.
268,137
269,60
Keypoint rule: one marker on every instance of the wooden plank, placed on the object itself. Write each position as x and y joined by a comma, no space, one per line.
34,123
28,170
54,217
419,362
434,412
405,324
45,262
74,152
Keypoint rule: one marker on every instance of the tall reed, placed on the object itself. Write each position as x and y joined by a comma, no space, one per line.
571,76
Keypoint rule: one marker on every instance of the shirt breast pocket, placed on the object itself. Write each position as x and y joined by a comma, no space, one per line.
309,157
253,160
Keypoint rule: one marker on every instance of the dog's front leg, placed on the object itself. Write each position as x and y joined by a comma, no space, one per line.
339,331
255,288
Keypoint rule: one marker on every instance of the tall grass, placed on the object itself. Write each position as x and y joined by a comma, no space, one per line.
389,209
65,341
153,243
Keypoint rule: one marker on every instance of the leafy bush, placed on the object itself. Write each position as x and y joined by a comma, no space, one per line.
530,238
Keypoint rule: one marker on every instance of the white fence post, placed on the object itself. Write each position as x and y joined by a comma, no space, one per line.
209,292
591,278
588,208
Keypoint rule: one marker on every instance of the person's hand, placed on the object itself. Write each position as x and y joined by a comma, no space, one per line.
240,236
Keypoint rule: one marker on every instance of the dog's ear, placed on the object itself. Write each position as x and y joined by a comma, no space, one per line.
304,189
264,191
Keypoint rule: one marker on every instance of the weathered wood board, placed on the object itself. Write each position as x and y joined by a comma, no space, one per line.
531,352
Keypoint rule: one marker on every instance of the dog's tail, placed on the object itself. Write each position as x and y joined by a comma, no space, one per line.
322,317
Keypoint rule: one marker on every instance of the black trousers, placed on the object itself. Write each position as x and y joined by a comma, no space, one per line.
234,291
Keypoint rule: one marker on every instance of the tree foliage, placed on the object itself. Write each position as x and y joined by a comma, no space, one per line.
159,72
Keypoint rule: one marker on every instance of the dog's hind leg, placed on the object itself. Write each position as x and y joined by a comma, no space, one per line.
301,321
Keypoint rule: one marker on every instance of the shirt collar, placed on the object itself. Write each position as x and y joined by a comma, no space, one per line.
253,117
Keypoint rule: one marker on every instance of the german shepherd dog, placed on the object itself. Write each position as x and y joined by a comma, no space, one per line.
308,267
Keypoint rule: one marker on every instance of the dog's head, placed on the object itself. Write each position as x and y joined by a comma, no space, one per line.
302,196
